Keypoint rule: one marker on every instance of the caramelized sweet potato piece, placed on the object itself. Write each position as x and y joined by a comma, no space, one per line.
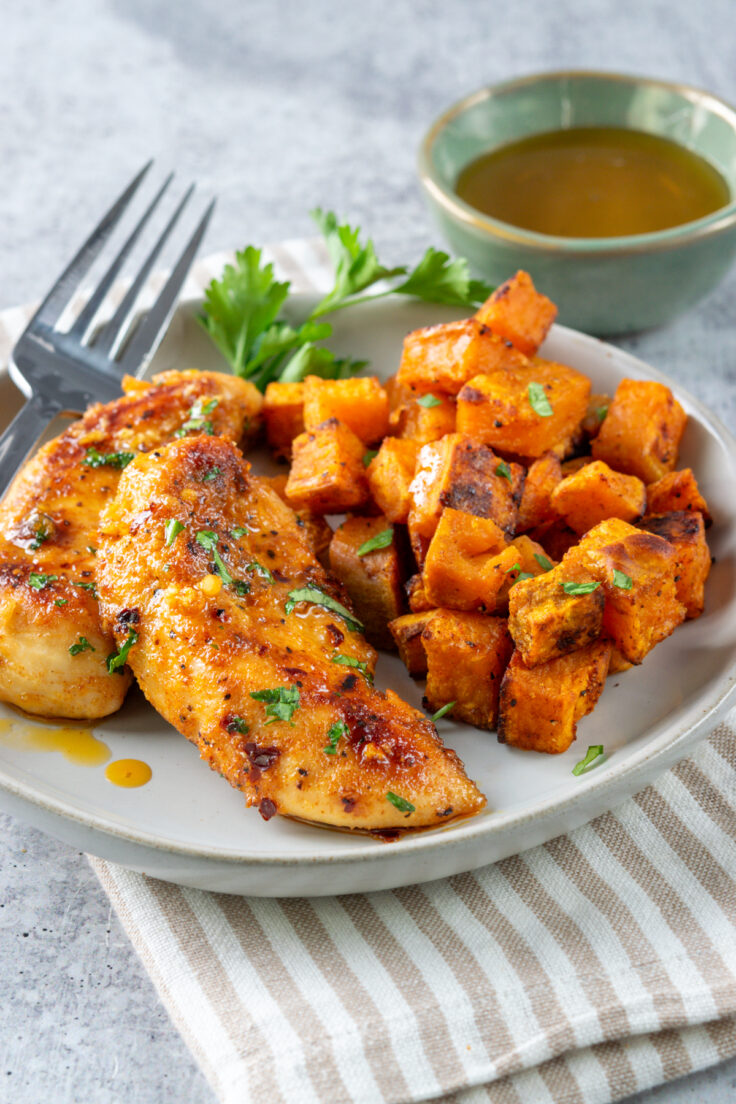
547,622
595,493
361,404
637,573
390,473
466,657
617,662
685,531
443,358
642,430
677,490
557,538
541,479
327,474
502,409
416,595
407,632
316,529
416,421
374,580
540,706
283,413
519,313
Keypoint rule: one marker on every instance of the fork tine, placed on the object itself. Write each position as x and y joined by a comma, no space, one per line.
146,340
111,335
68,283
87,314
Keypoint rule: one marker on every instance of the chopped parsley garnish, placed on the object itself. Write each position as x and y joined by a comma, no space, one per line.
197,420
43,528
441,712
211,474
538,400
237,724
579,588
319,598
259,569
428,401
350,661
381,540
238,532
400,803
82,645
37,581
281,702
87,586
95,459
600,413
503,470
368,456
172,529
522,574
241,587
334,734
622,580
208,539
590,760
92,550
60,601
117,660
544,563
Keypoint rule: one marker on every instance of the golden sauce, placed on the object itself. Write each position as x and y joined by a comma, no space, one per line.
128,773
593,182
77,744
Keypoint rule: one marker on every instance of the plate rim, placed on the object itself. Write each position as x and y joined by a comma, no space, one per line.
487,823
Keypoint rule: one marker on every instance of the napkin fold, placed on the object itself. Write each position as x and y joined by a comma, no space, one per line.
581,971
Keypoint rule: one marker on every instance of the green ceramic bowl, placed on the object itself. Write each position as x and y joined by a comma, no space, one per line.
602,285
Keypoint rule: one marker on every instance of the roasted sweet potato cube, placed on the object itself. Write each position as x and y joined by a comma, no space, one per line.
527,409
457,472
416,595
398,393
597,492
642,430
424,420
468,562
375,578
617,663
547,622
637,572
685,531
557,538
518,312
362,404
574,464
390,473
467,654
407,632
541,479
327,474
540,706
315,528
443,358
677,490
283,414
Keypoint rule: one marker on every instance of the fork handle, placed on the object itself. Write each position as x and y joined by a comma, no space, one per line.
22,435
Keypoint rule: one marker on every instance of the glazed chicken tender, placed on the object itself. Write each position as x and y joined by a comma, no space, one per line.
53,652
242,641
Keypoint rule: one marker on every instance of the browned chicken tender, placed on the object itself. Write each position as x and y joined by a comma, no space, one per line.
250,649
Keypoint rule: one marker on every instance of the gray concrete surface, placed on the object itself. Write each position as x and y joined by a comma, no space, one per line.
275,106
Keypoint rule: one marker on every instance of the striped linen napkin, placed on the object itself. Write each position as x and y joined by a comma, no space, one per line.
582,971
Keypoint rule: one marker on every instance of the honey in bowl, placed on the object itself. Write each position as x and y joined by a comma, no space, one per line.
593,182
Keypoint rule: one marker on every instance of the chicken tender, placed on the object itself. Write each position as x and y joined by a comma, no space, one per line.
242,641
53,651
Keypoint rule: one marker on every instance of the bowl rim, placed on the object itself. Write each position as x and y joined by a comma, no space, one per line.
707,226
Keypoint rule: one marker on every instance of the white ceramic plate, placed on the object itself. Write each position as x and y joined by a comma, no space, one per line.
188,826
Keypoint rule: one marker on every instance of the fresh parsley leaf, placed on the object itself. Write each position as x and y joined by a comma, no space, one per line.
400,803
441,712
259,569
37,581
82,645
503,470
538,400
544,563
281,703
117,660
334,734
622,580
368,456
211,474
438,279
87,586
381,540
60,601
350,661
579,588
428,401
238,532
522,574
592,755
241,587
198,419
95,459
356,265
237,724
600,413
313,360
172,529
320,598
208,539
43,529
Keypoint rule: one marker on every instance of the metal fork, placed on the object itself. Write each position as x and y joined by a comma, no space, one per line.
62,372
